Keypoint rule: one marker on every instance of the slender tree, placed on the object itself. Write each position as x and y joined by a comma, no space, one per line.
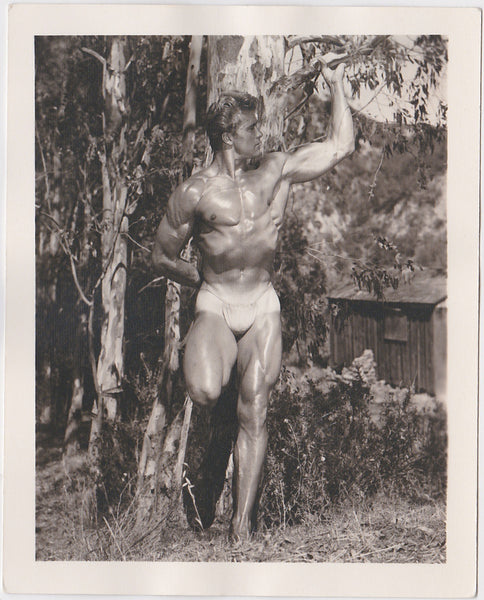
163,451
112,156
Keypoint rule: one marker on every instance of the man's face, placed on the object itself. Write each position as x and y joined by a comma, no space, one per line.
247,137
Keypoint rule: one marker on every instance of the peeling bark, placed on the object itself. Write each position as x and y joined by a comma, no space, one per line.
190,106
110,363
250,64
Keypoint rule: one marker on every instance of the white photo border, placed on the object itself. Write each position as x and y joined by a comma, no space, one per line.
455,578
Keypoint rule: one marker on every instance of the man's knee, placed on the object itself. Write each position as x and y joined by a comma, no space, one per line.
204,393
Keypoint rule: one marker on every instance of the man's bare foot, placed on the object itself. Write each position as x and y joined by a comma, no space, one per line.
238,538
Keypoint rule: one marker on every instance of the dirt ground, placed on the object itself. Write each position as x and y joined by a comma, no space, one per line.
384,529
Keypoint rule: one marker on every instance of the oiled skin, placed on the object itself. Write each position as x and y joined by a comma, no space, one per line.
234,214
237,230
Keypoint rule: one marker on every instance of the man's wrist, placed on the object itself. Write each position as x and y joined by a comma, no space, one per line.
336,86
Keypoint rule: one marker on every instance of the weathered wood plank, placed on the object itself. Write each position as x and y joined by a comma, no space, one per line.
429,357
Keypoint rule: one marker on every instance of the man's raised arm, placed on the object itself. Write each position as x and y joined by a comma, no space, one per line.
313,160
172,235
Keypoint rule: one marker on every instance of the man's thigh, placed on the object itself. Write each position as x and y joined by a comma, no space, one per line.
210,354
259,355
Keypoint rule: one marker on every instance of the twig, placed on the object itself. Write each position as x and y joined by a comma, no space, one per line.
47,185
371,191
76,281
379,550
68,252
355,260
321,137
151,283
128,64
296,108
189,487
355,112
136,243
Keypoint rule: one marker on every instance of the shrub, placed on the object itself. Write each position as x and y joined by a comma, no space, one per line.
117,465
326,447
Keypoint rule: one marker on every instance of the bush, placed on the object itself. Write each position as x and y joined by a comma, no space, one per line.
117,465
326,447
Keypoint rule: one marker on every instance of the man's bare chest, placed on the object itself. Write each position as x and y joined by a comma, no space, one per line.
228,203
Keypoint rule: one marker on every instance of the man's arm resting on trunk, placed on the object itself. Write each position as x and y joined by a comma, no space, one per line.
173,233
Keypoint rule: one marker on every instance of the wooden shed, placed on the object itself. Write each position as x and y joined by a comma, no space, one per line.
406,331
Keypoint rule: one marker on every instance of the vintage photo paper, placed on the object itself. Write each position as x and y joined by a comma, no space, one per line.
370,469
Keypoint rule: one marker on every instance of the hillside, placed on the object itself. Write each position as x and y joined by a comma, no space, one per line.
401,197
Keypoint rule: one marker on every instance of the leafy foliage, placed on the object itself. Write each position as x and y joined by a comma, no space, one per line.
301,285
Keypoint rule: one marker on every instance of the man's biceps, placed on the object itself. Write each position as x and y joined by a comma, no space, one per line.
296,164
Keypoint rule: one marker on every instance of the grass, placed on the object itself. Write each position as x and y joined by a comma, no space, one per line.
385,529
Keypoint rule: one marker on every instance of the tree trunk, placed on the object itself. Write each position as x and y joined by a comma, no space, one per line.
190,106
110,363
50,414
249,64
74,417
162,456
149,458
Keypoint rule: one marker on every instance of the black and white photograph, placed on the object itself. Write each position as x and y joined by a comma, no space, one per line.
209,209
241,295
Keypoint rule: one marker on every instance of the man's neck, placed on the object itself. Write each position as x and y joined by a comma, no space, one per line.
228,164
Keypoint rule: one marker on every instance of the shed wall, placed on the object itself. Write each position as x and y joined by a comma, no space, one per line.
398,362
439,318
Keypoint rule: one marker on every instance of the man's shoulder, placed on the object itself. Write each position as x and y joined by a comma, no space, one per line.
191,189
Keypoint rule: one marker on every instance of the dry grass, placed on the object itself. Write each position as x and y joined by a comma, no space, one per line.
387,529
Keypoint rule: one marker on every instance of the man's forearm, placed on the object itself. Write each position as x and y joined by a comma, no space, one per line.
341,125
178,270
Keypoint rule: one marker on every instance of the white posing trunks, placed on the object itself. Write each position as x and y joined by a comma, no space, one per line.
239,317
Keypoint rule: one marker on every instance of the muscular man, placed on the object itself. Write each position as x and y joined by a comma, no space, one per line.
234,215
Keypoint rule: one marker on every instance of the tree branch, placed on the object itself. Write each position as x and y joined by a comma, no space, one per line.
135,242
371,191
100,58
296,40
76,281
151,283
92,357
68,252
297,107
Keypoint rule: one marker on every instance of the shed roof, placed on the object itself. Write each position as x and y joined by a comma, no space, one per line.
424,288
